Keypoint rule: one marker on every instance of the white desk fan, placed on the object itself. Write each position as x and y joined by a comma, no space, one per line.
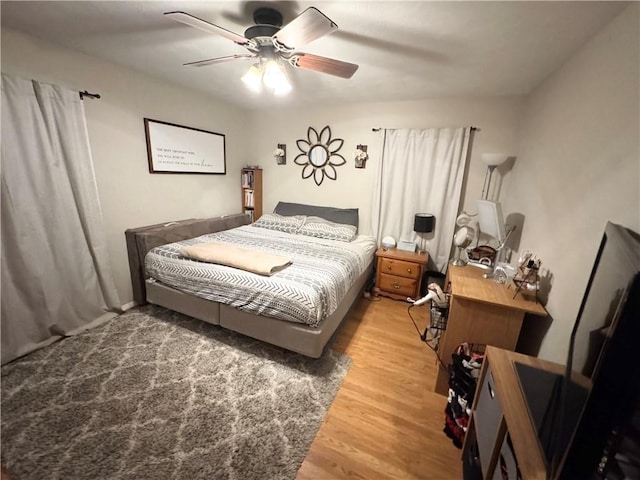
462,238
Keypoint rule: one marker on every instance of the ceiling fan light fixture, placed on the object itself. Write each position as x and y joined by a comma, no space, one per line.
283,89
275,77
253,78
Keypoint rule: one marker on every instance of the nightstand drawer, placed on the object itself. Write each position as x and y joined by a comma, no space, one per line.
399,267
398,285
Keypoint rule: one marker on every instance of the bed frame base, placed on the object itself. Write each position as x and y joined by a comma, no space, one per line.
297,337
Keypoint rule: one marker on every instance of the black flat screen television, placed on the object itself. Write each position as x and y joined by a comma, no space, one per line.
576,425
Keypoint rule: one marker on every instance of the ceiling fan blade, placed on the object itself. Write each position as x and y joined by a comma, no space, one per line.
305,28
324,65
196,22
212,61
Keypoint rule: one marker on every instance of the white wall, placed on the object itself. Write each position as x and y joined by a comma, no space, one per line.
130,196
579,165
497,119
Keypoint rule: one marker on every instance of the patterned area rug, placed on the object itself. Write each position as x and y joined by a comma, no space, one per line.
158,395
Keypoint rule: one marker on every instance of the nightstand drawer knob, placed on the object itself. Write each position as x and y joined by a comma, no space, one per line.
389,267
395,285
408,270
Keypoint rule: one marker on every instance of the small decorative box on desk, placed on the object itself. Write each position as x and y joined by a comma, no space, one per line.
399,273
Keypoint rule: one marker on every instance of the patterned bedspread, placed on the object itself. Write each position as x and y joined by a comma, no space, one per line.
307,291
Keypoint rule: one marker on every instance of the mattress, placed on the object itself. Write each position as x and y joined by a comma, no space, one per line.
307,291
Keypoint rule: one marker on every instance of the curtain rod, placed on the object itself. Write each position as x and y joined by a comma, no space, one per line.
380,128
87,94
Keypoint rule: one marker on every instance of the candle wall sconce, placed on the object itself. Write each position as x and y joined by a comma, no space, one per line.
361,156
280,154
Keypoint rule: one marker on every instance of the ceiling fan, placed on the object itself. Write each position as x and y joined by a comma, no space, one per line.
269,42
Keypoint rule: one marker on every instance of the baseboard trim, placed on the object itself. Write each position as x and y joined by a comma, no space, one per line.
128,306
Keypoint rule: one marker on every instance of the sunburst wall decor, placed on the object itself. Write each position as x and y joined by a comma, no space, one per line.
319,155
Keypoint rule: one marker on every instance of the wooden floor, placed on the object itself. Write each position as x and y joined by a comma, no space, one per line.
386,422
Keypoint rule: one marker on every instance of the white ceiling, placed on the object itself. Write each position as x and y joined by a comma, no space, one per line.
406,50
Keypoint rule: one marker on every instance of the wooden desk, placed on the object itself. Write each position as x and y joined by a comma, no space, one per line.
481,311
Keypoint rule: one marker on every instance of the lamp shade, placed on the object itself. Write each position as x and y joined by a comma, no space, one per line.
494,159
490,219
423,223
253,78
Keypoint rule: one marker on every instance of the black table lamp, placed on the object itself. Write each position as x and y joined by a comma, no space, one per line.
423,223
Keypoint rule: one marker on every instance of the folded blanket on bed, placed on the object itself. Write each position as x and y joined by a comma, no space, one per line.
261,263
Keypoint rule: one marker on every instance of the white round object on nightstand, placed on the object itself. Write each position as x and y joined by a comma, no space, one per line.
388,242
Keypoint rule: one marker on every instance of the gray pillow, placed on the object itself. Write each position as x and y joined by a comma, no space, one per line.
280,223
347,216
321,228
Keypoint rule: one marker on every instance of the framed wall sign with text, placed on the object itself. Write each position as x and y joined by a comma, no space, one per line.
177,149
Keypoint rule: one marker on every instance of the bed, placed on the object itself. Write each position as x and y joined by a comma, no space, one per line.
298,306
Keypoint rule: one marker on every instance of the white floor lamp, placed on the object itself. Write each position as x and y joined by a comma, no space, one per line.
493,161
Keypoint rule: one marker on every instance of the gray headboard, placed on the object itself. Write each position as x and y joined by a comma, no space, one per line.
142,239
348,216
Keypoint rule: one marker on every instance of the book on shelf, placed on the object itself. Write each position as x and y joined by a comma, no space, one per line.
249,198
247,179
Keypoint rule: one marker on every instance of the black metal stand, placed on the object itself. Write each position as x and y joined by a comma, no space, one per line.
437,321
527,279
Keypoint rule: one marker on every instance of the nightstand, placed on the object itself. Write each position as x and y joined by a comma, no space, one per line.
399,273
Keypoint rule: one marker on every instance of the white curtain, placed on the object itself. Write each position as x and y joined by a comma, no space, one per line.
55,270
420,171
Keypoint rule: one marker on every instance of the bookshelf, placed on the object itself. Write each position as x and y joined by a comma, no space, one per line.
251,183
